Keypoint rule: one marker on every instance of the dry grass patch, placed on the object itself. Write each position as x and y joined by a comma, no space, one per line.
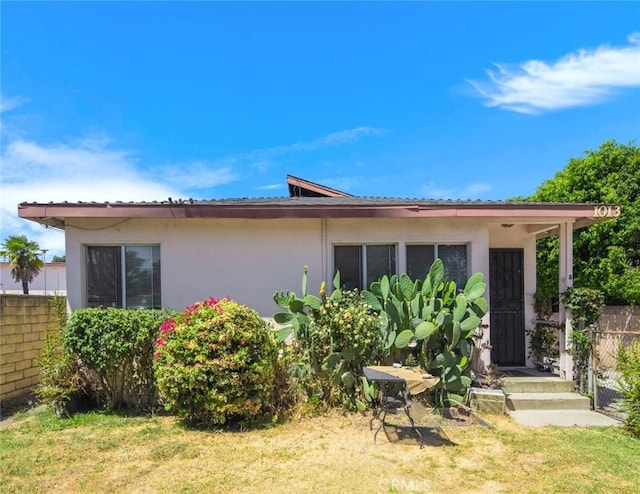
333,453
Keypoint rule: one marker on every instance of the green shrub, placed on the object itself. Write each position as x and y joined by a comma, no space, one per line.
329,340
346,336
429,320
216,363
115,346
629,384
543,342
60,375
586,304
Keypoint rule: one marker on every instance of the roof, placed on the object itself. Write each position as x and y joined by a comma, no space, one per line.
310,200
542,218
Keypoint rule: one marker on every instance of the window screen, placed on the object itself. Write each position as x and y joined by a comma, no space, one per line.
123,276
419,260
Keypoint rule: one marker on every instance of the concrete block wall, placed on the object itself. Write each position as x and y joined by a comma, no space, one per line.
620,318
24,320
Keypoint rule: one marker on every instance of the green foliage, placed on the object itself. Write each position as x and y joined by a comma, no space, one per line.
331,339
24,259
606,255
346,336
334,338
295,321
629,385
116,348
586,305
215,363
60,374
580,348
437,320
543,342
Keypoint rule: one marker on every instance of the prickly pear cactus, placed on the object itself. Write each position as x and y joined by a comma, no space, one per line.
435,318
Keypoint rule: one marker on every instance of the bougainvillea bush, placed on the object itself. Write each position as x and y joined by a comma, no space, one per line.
215,363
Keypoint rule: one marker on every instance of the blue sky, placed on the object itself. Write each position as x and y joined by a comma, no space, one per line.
110,101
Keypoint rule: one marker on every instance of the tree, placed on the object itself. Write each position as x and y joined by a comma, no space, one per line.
606,255
23,255
58,259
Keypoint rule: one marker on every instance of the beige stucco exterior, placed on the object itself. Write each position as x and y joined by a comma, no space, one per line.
250,259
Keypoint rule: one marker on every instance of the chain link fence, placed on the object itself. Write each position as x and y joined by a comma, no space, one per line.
603,375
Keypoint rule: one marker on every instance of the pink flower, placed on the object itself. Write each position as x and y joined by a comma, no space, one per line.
159,341
169,326
242,342
156,355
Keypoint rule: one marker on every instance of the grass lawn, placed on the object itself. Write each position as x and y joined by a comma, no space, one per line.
334,453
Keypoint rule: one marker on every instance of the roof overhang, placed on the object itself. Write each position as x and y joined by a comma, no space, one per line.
540,219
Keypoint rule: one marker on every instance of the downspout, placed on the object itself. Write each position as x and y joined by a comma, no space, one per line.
324,249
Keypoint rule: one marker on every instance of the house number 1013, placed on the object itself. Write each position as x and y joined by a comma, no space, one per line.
606,211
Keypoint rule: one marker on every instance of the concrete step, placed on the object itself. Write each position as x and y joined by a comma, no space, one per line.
547,401
536,385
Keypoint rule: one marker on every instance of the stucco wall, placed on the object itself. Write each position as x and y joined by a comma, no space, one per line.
250,259
247,260
23,322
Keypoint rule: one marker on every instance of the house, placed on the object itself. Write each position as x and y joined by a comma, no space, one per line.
172,253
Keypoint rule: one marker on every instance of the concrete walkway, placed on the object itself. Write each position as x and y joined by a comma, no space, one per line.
562,418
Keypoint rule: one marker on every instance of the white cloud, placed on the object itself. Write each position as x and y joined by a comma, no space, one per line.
262,159
472,191
343,137
583,78
198,175
330,140
87,170
8,104
271,187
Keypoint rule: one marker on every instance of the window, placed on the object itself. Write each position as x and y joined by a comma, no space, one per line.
454,258
123,276
419,260
360,265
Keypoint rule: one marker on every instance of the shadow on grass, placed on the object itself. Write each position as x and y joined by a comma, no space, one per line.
20,404
405,434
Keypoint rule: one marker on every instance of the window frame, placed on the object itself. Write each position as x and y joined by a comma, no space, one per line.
436,253
121,279
363,268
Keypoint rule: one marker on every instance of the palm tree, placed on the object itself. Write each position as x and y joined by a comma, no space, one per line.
24,260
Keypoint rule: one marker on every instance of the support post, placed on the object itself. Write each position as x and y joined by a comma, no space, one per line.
565,281
591,381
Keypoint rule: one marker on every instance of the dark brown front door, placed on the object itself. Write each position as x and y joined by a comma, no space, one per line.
506,281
